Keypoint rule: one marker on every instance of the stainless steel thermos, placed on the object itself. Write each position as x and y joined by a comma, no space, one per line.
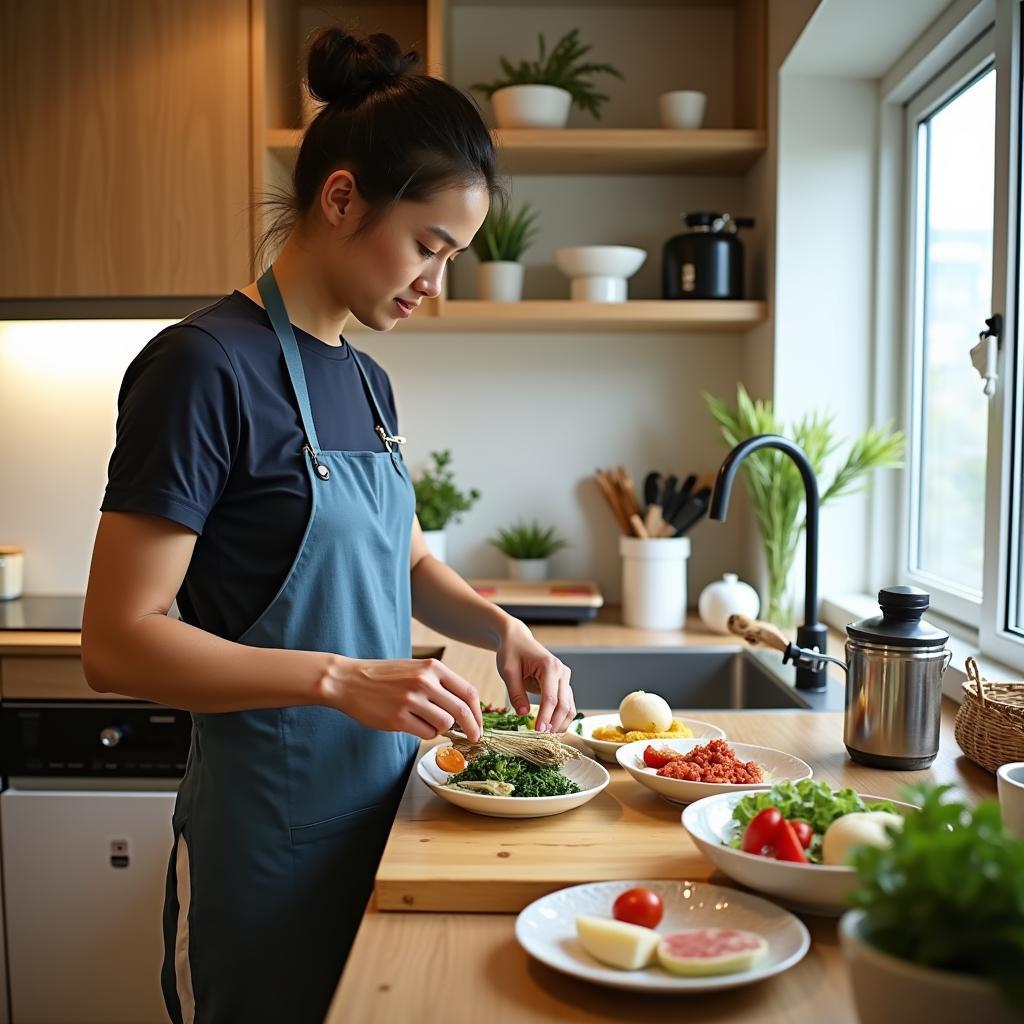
706,261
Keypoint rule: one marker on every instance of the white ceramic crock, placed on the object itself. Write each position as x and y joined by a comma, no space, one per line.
654,581
531,106
725,597
683,108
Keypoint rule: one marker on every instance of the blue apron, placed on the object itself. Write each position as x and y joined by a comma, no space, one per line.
282,814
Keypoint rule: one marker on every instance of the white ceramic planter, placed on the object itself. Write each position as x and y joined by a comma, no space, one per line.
725,597
683,108
499,281
436,544
654,581
531,106
532,569
888,990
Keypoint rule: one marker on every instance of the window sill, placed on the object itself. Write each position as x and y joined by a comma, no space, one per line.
841,609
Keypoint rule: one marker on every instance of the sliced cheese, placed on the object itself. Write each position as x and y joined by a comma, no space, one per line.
626,946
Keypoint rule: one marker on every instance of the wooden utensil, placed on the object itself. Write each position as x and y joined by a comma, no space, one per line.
756,632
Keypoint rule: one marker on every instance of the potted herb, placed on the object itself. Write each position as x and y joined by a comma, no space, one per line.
938,933
440,502
499,245
540,93
777,490
528,546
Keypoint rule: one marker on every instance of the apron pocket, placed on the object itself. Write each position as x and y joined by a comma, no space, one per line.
302,834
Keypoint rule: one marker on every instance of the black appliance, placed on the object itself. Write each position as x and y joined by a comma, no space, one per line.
705,262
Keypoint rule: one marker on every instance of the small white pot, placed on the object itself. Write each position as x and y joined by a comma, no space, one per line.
654,581
531,106
532,569
888,990
436,544
500,280
1010,786
725,597
683,108
598,289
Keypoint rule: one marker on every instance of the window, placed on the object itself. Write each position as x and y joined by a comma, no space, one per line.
951,128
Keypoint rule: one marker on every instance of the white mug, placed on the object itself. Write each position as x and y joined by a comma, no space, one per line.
1010,781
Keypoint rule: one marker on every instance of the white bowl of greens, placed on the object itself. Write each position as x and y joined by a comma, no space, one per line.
538,792
716,824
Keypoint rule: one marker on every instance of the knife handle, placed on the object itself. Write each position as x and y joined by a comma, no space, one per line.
757,632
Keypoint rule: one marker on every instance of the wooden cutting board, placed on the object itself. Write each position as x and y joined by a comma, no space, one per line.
441,858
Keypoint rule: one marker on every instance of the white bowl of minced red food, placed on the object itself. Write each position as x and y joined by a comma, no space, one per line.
688,770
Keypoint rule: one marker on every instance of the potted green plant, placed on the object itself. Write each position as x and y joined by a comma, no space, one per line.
440,502
528,546
777,490
499,246
938,929
540,93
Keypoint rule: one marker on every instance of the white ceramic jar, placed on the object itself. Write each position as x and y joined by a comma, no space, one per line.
12,571
531,106
725,597
654,581
683,108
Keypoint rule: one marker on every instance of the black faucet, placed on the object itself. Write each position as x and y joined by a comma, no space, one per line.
812,634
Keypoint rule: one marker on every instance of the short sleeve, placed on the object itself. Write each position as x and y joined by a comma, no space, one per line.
178,427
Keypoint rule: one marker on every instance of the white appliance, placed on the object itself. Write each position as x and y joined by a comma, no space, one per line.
86,827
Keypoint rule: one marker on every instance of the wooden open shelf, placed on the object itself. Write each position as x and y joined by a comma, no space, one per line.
604,150
691,316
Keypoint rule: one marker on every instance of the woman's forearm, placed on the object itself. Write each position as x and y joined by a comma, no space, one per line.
444,601
165,660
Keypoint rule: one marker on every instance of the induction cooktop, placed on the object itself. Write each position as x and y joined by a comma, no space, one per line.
60,613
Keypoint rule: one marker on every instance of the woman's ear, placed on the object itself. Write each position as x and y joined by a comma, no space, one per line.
337,197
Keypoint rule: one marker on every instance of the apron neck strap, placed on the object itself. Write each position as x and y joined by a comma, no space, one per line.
274,305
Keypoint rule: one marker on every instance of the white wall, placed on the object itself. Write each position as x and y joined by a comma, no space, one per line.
528,417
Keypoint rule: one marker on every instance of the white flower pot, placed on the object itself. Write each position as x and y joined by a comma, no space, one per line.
436,544
532,569
500,280
531,106
888,990
683,108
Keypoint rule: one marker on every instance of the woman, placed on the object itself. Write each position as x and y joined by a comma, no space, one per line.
257,477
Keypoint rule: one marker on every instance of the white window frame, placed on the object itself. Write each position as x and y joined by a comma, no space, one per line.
958,603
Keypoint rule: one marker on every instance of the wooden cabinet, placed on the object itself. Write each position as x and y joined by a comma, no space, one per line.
125,133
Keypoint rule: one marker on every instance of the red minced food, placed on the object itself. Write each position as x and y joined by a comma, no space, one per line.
713,762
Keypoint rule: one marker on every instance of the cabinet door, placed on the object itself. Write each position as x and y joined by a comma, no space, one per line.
124,147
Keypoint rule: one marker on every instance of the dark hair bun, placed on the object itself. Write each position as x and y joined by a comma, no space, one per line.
343,70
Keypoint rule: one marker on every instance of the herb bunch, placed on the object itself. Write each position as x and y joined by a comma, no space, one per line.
529,779
528,540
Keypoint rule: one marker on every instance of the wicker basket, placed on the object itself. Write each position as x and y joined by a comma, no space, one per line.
990,723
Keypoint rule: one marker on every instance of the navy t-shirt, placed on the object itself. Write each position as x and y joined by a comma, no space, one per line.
209,436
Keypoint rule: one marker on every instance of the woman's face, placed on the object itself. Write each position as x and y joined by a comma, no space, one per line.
385,272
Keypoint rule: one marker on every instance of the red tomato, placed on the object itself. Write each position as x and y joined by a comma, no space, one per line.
770,835
658,757
804,832
639,906
759,836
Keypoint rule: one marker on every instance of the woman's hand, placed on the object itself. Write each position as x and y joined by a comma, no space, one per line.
525,664
419,696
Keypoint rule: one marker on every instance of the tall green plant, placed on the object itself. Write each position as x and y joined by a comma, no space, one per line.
438,500
562,68
505,235
776,487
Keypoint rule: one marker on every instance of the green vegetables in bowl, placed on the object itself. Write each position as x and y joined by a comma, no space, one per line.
528,779
817,803
949,892
505,719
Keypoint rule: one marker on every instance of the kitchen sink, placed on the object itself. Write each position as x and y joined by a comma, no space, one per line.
726,678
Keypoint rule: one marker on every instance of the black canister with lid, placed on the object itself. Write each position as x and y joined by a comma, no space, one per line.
705,262
895,662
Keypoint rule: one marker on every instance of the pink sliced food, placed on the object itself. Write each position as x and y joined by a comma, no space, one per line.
699,951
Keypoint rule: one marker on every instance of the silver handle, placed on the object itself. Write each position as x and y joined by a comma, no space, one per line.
111,736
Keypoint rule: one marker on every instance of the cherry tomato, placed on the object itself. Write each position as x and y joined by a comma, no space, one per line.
804,832
759,836
450,760
787,846
658,757
639,906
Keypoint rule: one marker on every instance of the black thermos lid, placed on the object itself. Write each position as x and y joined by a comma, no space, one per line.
901,623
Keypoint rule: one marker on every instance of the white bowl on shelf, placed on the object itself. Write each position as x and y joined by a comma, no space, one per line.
605,749
599,272
776,766
811,888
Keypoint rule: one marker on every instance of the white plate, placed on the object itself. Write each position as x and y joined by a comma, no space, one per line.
605,749
546,929
811,888
587,774
776,765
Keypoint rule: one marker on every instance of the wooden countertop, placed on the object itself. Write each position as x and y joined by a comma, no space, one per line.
463,967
